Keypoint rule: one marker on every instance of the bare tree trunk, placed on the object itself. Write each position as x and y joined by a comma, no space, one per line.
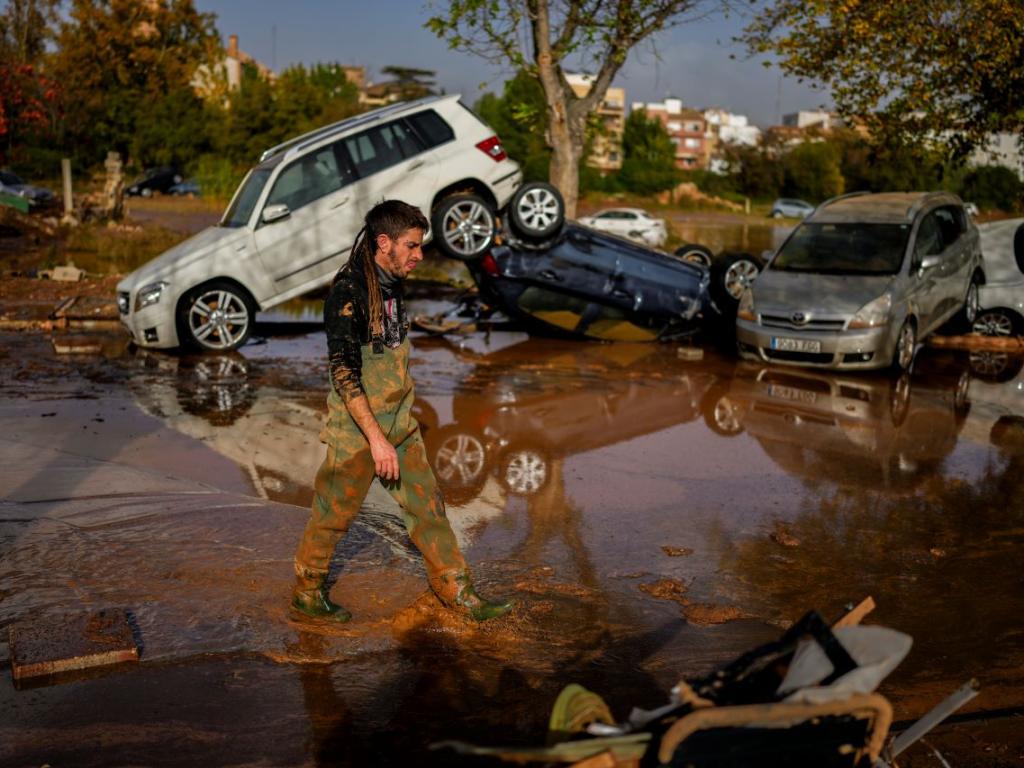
567,149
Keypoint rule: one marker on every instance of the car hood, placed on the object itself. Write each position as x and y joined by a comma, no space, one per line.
827,294
178,258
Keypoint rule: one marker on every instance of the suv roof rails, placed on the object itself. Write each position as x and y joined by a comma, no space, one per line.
837,198
348,123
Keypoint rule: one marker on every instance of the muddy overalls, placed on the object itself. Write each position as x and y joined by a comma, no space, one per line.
348,470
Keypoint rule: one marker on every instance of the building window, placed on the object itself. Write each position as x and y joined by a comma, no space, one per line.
692,143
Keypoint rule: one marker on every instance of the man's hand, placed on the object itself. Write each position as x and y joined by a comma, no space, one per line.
385,459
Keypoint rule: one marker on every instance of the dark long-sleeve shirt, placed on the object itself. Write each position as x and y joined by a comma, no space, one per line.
346,320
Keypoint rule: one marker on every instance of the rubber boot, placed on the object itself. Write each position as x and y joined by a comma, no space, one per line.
310,598
455,590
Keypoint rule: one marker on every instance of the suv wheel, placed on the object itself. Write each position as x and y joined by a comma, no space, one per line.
536,211
463,226
217,316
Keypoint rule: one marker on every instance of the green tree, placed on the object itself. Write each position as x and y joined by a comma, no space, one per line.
917,67
757,171
116,59
993,187
541,36
648,156
519,117
812,171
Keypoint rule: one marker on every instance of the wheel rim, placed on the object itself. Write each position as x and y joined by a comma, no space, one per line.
538,209
460,460
218,319
971,305
905,346
738,276
725,417
993,324
525,472
989,364
468,227
696,257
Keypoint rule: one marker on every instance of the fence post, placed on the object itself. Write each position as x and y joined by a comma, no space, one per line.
65,171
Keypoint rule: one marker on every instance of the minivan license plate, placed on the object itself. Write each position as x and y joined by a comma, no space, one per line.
795,345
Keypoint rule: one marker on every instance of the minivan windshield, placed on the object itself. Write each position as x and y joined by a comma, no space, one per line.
240,210
844,249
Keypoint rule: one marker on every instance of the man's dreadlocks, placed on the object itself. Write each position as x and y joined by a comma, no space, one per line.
392,218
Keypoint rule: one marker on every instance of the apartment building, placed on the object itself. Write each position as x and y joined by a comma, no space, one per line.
606,153
686,127
726,129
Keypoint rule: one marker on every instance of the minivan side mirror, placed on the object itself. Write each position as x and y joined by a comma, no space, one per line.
275,212
930,262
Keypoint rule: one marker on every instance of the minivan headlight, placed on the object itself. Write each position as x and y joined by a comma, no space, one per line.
875,313
149,294
745,310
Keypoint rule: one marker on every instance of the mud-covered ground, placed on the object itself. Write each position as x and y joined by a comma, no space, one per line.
653,515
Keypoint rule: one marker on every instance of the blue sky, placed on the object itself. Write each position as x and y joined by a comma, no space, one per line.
691,62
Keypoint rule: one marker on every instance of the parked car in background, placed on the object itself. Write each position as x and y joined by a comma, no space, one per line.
37,197
1001,298
154,180
632,223
861,281
795,209
294,219
187,188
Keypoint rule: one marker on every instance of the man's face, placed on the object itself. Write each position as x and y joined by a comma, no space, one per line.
398,257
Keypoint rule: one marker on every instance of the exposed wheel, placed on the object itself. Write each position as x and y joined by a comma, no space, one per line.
997,322
459,459
989,365
536,211
696,254
524,471
963,321
463,226
906,343
216,316
731,273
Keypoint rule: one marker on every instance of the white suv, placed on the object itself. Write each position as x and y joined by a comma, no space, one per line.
292,222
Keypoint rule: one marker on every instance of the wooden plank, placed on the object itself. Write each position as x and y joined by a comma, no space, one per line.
57,644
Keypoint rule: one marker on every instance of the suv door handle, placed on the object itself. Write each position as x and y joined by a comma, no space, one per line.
548,274
340,203
417,164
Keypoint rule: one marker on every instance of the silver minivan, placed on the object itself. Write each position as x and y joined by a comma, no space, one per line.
861,281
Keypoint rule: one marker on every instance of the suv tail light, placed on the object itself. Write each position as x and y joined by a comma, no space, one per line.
492,148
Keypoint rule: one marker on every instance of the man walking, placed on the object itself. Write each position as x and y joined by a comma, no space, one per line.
370,428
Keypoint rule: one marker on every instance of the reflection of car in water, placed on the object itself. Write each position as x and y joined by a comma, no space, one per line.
527,405
854,429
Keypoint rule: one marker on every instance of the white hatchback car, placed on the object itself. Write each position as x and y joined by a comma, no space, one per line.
632,223
294,219
1002,296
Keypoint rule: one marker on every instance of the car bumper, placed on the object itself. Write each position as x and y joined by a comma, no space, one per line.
863,349
152,327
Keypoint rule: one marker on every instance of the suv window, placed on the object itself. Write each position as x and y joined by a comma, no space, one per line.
929,237
307,179
431,128
381,147
951,225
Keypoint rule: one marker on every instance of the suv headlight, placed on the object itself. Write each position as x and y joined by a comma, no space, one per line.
149,294
873,314
745,310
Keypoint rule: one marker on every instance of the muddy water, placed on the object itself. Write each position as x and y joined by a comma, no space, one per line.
652,516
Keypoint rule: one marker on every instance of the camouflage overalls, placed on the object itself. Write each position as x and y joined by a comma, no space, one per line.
344,478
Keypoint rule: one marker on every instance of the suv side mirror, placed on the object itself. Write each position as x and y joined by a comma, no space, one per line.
930,262
275,212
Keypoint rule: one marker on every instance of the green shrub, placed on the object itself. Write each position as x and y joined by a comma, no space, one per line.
992,187
218,178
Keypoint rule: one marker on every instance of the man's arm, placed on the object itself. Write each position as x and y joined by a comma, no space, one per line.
344,315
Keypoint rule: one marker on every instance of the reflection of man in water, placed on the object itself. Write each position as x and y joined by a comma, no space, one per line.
370,429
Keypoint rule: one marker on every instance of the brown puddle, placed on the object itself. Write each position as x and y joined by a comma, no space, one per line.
574,472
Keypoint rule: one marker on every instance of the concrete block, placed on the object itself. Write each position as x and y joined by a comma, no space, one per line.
64,643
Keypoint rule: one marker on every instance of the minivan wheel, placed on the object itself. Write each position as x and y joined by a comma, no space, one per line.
536,211
463,226
906,343
216,316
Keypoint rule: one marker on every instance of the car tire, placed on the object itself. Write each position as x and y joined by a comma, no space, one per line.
776,214
998,322
458,456
524,471
536,211
146,192
200,329
695,254
963,320
997,367
730,274
906,345
463,226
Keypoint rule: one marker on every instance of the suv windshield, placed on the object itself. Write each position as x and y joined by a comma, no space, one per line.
844,249
240,210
